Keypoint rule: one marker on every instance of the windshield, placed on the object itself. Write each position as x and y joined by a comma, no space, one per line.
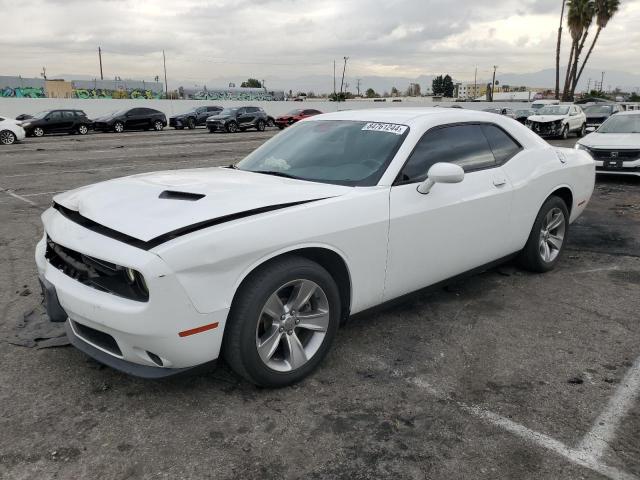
330,151
553,110
522,113
295,112
41,114
227,111
621,124
597,109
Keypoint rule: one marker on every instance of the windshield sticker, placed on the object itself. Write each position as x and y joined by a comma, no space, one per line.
385,127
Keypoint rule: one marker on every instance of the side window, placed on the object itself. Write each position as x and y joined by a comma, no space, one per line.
465,145
213,109
135,111
503,146
68,114
55,115
241,111
251,109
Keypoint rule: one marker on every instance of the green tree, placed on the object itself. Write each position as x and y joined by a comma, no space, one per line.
447,86
558,51
437,86
251,83
394,92
371,93
579,19
604,10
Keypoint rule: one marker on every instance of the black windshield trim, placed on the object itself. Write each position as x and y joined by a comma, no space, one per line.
89,224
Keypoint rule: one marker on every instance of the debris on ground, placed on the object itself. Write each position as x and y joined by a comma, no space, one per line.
35,330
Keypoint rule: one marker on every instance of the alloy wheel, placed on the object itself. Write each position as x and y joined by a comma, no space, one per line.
82,129
118,127
292,325
552,235
7,137
157,126
38,132
232,127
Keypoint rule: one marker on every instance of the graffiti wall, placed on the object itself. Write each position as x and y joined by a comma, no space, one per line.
22,92
134,94
231,95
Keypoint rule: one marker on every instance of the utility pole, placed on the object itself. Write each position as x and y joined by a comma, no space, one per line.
475,83
493,83
334,80
344,69
265,88
602,82
100,59
358,80
166,87
43,74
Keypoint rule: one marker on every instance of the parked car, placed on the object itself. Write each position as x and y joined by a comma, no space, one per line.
131,119
558,121
57,121
523,114
507,112
598,113
295,116
10,131
196,117
233,119
615,146
538,104
159,272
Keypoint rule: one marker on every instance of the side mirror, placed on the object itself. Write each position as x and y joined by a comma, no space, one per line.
441,173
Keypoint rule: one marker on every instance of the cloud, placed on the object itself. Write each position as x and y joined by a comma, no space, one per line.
289,38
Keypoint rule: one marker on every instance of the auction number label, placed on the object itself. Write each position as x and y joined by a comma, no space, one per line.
385,127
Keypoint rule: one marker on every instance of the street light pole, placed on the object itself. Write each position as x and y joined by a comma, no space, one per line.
100,59
166,87
493,83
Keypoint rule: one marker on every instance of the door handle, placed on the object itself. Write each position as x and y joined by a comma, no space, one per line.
499,181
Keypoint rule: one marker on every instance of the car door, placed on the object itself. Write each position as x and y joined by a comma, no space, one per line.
68,121
455,227
52,122
132,118
575,119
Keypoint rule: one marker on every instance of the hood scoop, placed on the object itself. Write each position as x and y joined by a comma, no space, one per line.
187,196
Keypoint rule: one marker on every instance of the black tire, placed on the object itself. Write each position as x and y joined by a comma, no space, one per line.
179,128
239,343
583,130
531,257
271,122
191,123
83,129
118,127
231,127
7,137
260,125
212,130
38,132
158,126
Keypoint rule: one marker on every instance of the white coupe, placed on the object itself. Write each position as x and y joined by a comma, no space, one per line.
615,146
10,131
261,261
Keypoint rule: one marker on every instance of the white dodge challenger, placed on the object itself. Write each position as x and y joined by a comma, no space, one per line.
261,261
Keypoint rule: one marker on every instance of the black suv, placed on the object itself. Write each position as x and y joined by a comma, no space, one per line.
57,121
233,119
131,119
195,117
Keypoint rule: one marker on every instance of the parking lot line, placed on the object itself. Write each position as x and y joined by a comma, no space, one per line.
591,448
19,197
604,430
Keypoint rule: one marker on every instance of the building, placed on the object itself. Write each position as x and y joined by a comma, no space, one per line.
58,89
469,91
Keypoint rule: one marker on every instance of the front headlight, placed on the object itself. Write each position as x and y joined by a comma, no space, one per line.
136,280
579,146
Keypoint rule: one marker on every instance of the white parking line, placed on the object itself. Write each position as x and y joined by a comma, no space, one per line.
593,445
604,430
19,197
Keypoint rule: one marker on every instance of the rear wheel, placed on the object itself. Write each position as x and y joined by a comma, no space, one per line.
231,127
271,122
583,130
260,126
158,126
7,137
83,129
548,237
282,322
118,127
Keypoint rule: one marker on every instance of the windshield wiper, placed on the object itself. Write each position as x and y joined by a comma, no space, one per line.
276,174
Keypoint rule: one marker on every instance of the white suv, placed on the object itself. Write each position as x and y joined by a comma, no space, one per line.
558,121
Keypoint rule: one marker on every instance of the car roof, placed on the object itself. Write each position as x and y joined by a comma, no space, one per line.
408,115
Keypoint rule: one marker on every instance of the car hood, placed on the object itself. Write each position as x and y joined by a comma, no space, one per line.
182,115
134,206
546,118
612,140
105,118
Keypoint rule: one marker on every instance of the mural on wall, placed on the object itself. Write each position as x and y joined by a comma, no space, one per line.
134,94
22,92
231,95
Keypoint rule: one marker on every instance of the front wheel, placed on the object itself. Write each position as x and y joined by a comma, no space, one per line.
282,322
191,123
158,126
118,127
547,238
231,127
565,132
260,126
7,137
38,132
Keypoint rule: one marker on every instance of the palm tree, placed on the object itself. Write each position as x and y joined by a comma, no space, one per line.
558,51
605,10
579,18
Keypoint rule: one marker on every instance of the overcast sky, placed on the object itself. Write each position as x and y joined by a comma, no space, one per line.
290,38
